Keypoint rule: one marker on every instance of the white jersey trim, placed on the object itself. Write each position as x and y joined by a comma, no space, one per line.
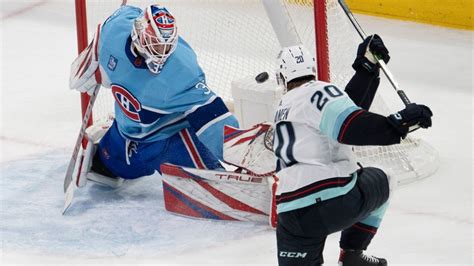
212,122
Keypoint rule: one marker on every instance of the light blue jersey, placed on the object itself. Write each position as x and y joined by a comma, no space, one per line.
150,107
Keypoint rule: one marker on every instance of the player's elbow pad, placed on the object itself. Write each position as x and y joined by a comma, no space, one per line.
366,128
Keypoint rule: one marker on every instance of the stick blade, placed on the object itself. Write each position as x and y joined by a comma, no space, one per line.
67,182
69,195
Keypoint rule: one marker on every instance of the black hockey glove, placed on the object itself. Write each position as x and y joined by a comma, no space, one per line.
411,118
372,45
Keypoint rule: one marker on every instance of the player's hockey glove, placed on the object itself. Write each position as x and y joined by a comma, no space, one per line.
411,118
368,52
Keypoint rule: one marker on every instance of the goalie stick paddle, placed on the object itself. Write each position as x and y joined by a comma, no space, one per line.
68,184
382,64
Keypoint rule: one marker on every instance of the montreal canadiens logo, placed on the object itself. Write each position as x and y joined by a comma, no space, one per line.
165,22
127,102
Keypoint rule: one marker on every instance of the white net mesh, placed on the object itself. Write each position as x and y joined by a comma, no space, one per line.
235,38
413,159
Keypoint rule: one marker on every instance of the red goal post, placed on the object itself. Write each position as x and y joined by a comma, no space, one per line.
82,42
239,38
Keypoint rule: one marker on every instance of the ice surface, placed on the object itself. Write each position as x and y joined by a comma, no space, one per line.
429,222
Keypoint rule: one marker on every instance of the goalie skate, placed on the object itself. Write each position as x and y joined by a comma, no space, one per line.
100,175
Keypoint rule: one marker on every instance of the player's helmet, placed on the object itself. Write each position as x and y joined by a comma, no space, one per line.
294,62
155,36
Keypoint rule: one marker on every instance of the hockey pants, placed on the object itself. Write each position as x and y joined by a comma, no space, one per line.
130,160
301,233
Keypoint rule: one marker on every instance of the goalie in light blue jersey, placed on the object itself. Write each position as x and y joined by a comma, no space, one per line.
164,111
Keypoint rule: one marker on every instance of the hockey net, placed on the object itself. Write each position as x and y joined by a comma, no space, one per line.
236,38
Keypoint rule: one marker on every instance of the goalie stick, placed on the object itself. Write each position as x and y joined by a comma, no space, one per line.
382,64
68,184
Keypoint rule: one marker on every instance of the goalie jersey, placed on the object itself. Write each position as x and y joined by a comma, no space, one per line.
311,164
150,107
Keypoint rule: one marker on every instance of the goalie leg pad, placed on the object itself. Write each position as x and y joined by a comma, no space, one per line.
217,195
89,162
90,167
101,175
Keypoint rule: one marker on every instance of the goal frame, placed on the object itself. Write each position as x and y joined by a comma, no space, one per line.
321,39
82,41
328,69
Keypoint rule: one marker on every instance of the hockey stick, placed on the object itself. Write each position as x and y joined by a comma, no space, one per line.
382,64
68,184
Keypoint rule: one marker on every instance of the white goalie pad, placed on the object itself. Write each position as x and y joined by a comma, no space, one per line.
83,170
250,149
84,165
86,71
97,130
217,195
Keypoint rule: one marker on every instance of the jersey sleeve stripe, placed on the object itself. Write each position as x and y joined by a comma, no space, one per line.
212,122
334,115
207,114
345,125
170,127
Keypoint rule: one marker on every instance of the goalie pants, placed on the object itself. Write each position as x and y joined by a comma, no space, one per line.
129,159
301,233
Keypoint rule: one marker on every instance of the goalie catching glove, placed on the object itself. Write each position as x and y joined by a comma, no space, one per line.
411,118
86,72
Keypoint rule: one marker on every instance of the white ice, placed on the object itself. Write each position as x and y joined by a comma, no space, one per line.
429,222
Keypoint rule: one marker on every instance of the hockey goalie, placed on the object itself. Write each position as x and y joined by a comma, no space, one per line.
161,121
242,191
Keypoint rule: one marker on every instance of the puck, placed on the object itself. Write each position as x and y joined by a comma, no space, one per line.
262,77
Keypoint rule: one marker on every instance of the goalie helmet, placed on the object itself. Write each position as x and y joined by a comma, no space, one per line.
155,36
294,62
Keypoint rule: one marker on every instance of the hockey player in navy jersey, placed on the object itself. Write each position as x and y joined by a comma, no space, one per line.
321,190
164,111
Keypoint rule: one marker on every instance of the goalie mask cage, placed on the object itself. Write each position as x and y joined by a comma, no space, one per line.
238,38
